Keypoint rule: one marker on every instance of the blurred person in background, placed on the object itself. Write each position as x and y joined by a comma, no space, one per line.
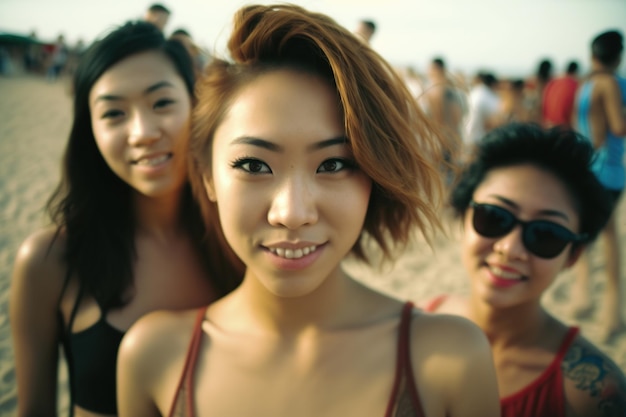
199,57
158,15
485,109
558,98
365,30
442,102
599,115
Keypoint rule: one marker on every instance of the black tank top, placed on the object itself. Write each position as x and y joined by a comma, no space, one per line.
91,357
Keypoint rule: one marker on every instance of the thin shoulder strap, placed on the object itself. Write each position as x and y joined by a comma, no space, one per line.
66,333
70,322
404,371
405,355
187,375
567,342
434,304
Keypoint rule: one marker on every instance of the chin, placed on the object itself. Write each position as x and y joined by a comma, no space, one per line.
292,289
499,301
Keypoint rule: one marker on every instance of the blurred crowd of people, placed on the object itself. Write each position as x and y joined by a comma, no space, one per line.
56,59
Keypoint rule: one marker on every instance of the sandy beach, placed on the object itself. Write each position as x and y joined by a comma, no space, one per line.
34,124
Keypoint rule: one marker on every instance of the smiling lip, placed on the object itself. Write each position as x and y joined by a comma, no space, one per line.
152,159
502,276
294,256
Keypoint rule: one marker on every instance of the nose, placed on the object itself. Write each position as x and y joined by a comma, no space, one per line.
511,245
294,204
143,129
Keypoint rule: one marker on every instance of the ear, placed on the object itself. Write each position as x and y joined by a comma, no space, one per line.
575,255
210,190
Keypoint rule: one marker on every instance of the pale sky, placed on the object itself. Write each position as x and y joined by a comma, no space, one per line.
508,37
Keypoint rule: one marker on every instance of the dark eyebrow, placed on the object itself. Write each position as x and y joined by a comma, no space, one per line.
512,204
157,86
341,140
261,143
266,144
150,89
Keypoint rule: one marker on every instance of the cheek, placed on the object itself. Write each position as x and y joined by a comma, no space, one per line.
238,206
108,143
360,202
549,269
349,213
179,128
474,247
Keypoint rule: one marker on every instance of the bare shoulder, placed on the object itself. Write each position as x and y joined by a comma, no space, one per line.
43,248
159,337
594,385
39,263
452,361
452,333
606,83
159,333
150,361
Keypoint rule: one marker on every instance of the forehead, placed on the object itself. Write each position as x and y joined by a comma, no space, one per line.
288,101
280,81
528,186
137,71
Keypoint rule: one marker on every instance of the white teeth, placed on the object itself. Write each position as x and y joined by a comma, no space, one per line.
504,274
293,253
153,161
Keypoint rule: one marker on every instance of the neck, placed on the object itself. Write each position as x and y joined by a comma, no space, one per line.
597,66
325,307
518,325
158,217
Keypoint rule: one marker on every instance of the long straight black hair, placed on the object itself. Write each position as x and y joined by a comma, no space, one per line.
91,205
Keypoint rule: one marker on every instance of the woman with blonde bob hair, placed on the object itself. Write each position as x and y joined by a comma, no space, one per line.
306,143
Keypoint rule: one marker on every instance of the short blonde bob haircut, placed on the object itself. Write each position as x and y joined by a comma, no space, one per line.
391,139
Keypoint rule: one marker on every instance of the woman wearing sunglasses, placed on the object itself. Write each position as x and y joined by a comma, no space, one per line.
529,204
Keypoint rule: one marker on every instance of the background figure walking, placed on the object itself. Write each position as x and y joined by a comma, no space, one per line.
600,117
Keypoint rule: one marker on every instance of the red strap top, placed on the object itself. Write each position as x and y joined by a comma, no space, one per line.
544,396
404,399
434,304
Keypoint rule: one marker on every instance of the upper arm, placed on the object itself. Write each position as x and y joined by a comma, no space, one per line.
612,104
594,385
137,367
458,367
36,286
150,362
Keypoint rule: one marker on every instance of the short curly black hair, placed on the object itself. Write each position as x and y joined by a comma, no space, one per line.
564,153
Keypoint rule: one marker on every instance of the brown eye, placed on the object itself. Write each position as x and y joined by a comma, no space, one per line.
251,166
336,165
255,166
329,166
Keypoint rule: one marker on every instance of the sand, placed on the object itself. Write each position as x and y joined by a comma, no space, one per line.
34,124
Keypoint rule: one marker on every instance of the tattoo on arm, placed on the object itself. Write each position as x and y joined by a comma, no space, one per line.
597,375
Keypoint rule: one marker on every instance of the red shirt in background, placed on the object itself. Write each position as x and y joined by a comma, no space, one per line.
558,102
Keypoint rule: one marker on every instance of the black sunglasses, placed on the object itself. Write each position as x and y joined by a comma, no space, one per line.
543,238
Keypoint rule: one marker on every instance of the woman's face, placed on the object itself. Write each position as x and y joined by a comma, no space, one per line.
503,272
140,113
291,200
